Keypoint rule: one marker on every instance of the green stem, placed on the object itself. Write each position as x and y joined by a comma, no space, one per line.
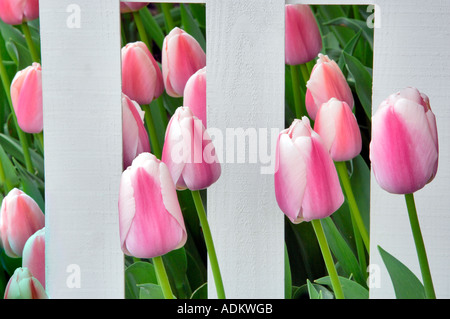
29,39
329,263
170,24
162,111
359,247
141,29
163,280
300,109
209,244
123,34
151,130
420,247
22,137
305,73
354,210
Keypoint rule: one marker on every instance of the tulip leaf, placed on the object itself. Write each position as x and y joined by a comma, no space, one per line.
3,282
137,274
150,291
201,292
330,12
199,13
175,263
287,276
355,25
349,48
11,179
30,185
302,292
313,293
363,82
350,288
152,27
9,264
406,284
191,26
360,181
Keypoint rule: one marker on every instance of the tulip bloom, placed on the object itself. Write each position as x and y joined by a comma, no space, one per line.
404,149
141,76
182,56
34,255
20,217
26,96
151,222
326,82
22,285
189,152
195,94
306,182
126,7
134,136
18,11
303,40
337,126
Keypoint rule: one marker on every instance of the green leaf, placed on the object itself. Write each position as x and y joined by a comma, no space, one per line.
175,263
199,13
191,26
11,177
152,27
355,25
287,276
330,12
150,291
201,292
313,293
363,82
31,185
406,284
303,293
9,264
349,48
137,274
351,289
360,181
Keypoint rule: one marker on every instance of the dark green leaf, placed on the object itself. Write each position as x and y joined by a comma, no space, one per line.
355,25
302,292
175,263
191,26
9,264
31,185
351,289
313,293
201,292
152,27
10,172
349,48
137,274
287,276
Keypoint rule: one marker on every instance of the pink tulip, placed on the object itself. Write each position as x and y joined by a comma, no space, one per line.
20,217
337,126
182,56
135,138
195,94
33,256
326,82
306,182
18,11
26,96
151,222
303,40
404,149
126,7
141,76
22,285
189,152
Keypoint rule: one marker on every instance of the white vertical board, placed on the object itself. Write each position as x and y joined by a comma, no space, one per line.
412,48
245,60
83,147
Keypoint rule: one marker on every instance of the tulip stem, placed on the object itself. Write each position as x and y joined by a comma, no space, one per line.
20,133
151,130
420,247
209,244
329,263
163,280
354,210
141,29
300,109
29,40
170,24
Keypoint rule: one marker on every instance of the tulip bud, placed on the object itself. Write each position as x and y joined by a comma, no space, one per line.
141,76
195,95
182,56
337,126
20,217
303,40
326,82
126,7
26,97
306,182
151,222
135,138
18,11
33,257
22,285
404,149
189,152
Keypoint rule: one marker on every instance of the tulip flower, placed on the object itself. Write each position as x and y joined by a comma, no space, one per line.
337,126
18,11
26,97
20,217
195,94
306,183
135,138
22,285
33,257
303,40
126,7
151,222
404,149
189,153
326,82
182,56
141,76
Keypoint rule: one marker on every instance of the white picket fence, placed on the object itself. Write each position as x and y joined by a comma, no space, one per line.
245,58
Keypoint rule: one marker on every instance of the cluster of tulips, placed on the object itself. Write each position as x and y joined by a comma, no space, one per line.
311,176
